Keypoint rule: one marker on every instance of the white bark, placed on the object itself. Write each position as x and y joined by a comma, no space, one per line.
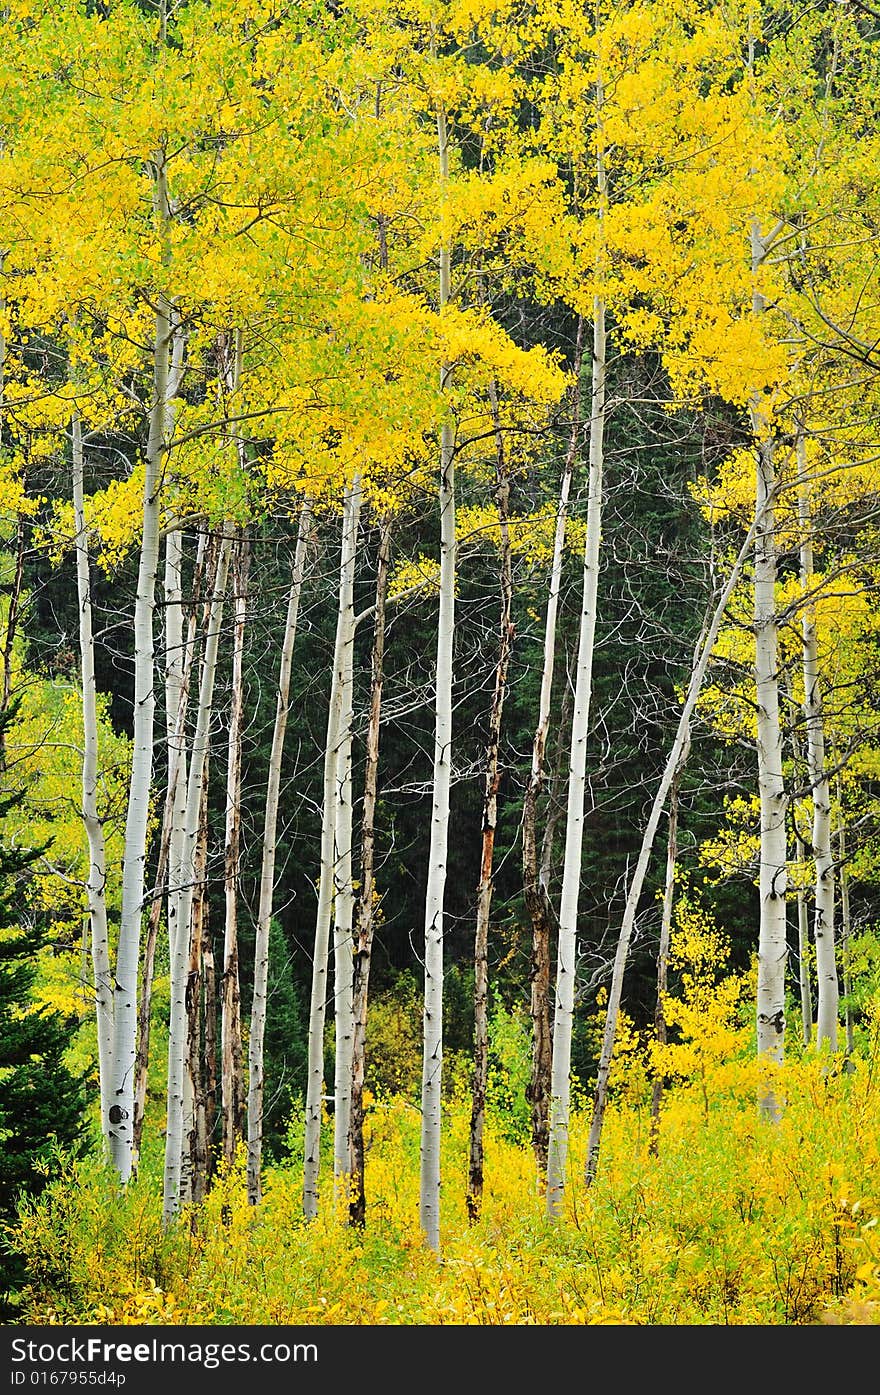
231,1069
772,940
674,765
320,965
560,1084
343,930
823,924
801,896
177,1027
803,949
256,1073
432,1040
121,1109
97,876
846,929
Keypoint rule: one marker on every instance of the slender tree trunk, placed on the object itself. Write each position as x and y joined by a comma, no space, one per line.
256,1073
823,857
490,819
803,951
660,1031
365,910
772,943
174,1140
560,1085
802,915
343,926
534,888
97,877
232,1087
772,940
195,1127
674,762
335,737
209,1018
12,617
846,926
432,1040
121,1110
168,870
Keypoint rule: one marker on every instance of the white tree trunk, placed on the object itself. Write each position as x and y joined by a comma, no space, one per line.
823,925
97,877
535,888
801,896
846,928
772,939
560,1083
177,1026
256,1072
432,1039
232,1080
674,765
343,931
320,964
557,1149
121,1109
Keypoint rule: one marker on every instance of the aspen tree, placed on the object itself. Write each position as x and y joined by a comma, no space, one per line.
492,780
121,1110
177,1029
97,877
660,1027
560,1086
823,858
343,923
335,738
432,1042
534,886
803,930
168,870
232,1072
772,939
365,920
256,1067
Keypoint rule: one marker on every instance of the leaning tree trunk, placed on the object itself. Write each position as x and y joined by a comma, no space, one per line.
96,881
432,1036
490,819
121,1110
365,910
335,719
256,1070
560,1085
177,1027
772,937
232,1072
823,857
673,764
534,889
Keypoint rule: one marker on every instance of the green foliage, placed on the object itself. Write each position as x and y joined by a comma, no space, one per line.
41,1102
285,1042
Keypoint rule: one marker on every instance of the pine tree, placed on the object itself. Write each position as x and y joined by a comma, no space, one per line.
41,1101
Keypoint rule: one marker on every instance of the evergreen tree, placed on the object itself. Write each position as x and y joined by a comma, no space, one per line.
41,1101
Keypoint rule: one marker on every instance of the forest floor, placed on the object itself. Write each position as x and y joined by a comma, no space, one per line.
734,1220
